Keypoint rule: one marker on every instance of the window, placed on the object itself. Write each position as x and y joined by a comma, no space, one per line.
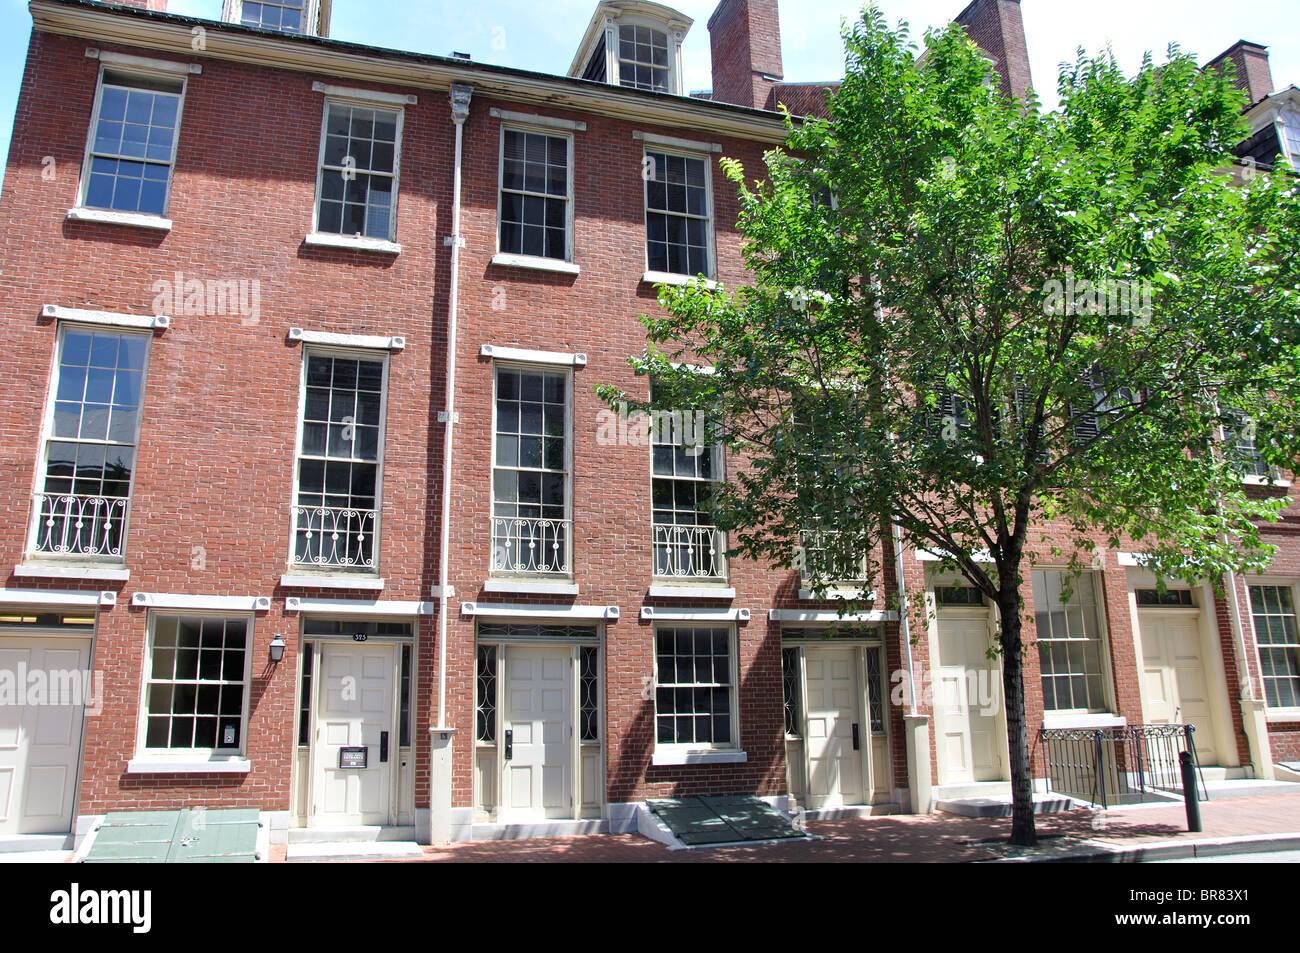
958,596
404,707
694,687
677,214
791,681
1274,616
588,693
337,510
282,15
1291,139
1179,598
530,479
90,452
876,689
485,721
304,698
358,172
685,469
1069,643
643,58
133,143
535,195
194,695
1239,446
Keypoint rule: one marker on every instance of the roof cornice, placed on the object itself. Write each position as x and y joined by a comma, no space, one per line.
173,34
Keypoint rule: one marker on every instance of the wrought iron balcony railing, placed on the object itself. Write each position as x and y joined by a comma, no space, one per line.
530,546
334,537
689,552
71,525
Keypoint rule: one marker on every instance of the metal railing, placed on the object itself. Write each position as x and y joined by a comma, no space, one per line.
334,537
689,552
1121,764
71,525
530,546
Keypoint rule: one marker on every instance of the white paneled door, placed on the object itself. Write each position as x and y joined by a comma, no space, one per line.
356,711
40,732
835,729
1174,683
538,781
967,696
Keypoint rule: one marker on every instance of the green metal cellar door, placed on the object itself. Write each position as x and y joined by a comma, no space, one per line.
697,821
189,836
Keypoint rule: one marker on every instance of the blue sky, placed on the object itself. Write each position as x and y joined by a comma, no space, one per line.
544,36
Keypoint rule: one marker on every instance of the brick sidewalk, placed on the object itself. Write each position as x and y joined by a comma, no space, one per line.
924,838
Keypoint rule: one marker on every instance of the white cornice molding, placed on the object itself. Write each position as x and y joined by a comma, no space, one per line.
678,112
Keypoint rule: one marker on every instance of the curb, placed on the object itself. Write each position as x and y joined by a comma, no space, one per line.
1095,852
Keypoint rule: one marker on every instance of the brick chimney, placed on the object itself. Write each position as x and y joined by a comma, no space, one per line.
1253,72
996,26
745,37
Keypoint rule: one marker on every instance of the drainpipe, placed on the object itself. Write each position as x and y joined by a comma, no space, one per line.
903,624
440,795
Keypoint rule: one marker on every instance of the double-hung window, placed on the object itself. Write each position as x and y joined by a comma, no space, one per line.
1070,651
644,58
695,686
133,143
686,467
1278,639
1291,139
92,431
283,15
531,528
196,685
536,194
1239,447
336,513
359,161
678,213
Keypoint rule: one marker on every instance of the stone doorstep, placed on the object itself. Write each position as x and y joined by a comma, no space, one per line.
1100,851
353,850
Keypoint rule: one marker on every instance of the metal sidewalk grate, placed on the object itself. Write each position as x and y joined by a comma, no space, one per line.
697,821
189,836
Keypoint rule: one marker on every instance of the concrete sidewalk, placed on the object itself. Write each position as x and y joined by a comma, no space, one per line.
1127,834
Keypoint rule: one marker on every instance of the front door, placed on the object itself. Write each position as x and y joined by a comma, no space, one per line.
836,732
355,743
538,781
40,741
1174,690
967,695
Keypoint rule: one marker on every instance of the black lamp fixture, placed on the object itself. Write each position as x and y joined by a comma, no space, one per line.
277,649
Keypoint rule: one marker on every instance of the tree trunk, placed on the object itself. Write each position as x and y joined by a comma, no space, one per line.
1023,832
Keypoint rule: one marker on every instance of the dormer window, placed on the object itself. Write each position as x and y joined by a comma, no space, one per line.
1291,138
636,44
309,17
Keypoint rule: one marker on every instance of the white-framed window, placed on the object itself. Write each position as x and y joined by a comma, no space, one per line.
196,685
685,470
131,150
1239,447
340,460
1290,136
695,686
535,212
678,213
1070,643
531,525
1273,612
360,159
644,58
92,431
284,16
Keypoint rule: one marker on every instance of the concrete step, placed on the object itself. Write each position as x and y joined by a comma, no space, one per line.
1225,774
33,843
353,850
848,811
1248,787
494,830
1287,771
349,835
1000,806
949,792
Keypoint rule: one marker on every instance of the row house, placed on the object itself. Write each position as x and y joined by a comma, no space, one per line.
316,511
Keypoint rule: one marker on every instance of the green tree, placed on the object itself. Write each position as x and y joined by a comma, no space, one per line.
971,317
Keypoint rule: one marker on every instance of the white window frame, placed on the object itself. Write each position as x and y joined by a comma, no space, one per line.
377,538
552,132
1107,700
567,372
83,186
188,756
1229,444
672,39
47,437
1276,714
710,246
669,751
339,237
233,12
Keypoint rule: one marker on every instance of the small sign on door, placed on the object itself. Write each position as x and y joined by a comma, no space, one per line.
352,757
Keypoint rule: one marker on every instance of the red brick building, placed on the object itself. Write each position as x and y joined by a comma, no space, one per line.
310,479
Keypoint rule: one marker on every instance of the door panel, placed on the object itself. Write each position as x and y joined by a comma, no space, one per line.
355,709
834,767
539,701
967,697
1175,686
40,745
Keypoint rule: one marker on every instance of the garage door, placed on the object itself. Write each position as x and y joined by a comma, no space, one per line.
42,696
